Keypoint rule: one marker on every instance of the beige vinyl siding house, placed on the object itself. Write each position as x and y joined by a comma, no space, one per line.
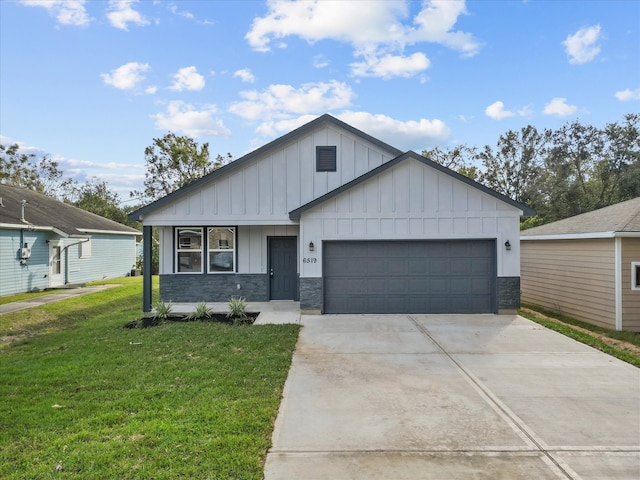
630,284
585,266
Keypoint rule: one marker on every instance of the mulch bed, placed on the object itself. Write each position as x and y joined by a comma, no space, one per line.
214,317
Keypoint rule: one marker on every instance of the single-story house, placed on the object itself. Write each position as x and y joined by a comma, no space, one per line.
587,266
45,243
343,223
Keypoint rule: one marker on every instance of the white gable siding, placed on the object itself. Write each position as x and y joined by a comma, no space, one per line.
265,189
413,201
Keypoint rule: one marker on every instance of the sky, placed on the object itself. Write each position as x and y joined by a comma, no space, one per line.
92,83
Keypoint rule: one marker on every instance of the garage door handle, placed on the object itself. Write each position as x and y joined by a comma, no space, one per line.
271,273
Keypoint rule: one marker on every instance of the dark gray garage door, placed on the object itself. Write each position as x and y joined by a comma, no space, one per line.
456,276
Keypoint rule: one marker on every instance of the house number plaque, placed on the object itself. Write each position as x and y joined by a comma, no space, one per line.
309,260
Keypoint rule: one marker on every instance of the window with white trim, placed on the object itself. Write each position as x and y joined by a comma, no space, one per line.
189,250
635,275
221,243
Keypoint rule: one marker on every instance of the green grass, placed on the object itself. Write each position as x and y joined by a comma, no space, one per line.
582,337
623,335
93,400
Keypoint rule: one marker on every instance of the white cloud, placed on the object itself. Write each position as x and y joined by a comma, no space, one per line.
187,78
173,8
184,118
412,133
126,76
283,100
395,132
388,66
121,14
245,75
497,112
582,46
319,61
558,106
66,12
379,30
627,95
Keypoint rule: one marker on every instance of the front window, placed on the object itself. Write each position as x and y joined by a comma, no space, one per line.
189,250
635,275
222,251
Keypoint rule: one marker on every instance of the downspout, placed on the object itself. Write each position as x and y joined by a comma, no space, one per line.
618,281
66,258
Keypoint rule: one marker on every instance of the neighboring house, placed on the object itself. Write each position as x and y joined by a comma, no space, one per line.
45,243
342,222
587,266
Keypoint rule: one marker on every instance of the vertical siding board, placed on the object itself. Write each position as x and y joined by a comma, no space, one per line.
293,178
416,187
265,173
237,193
430,180
305,150
251,189
385,191
279,179
402,188
445,194
361,159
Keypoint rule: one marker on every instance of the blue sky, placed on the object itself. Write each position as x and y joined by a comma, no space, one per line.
91,83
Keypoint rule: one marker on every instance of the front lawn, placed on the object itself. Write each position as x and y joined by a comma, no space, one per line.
93,400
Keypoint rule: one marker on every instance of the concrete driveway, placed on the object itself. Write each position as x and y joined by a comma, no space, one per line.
453,397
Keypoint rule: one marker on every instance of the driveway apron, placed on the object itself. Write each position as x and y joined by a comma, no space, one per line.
453,397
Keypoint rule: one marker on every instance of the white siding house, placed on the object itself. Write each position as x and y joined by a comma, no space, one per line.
276,224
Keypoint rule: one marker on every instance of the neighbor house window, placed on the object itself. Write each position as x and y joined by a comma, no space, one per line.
221,243
635,275
325,159
189,250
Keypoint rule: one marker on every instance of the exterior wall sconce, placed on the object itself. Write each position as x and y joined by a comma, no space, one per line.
507,245
311,247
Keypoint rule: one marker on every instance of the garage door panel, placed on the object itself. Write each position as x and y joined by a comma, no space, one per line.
409,276
480,266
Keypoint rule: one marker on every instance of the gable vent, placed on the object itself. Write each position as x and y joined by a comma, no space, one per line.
325,159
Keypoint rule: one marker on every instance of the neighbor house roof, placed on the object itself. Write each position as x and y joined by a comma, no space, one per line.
138,214
621,219
295,214
45,213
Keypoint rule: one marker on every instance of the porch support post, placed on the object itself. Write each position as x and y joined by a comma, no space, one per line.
147,272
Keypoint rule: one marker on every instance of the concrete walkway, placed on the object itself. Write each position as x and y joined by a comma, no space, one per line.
57,296
453,397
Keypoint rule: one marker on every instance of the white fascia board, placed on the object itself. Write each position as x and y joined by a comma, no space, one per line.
38,228
579,236
110,232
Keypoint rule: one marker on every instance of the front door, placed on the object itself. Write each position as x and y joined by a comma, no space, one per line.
56,274
283,272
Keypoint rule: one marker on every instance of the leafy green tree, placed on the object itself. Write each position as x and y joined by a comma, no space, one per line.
94,196
515,166
174,161
42,175
460,159
619,169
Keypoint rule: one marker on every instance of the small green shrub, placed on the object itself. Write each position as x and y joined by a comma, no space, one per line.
237,310
162,310
201,312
